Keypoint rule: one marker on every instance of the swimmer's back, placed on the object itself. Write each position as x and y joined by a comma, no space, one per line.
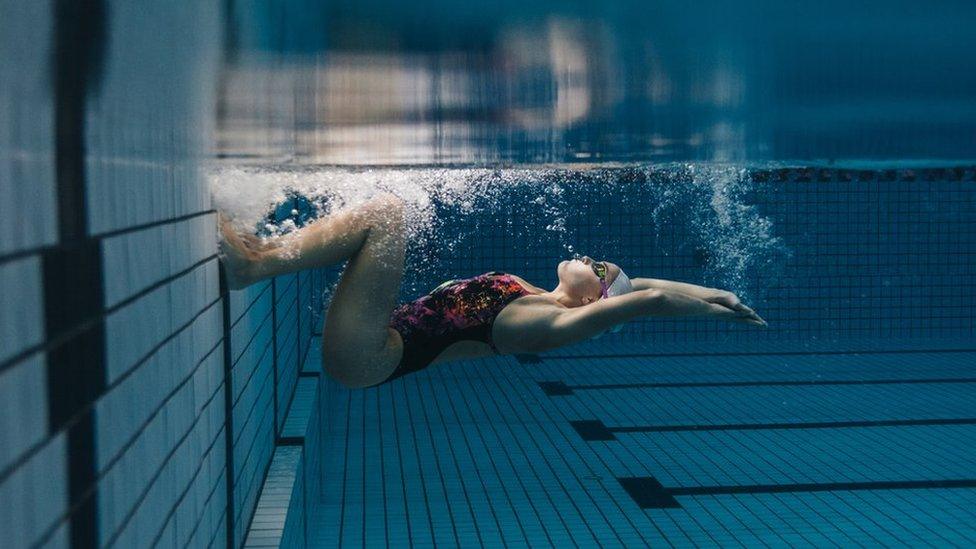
458,314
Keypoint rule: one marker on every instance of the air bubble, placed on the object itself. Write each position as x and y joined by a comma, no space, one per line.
449,209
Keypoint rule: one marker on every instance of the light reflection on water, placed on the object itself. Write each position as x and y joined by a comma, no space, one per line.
391,83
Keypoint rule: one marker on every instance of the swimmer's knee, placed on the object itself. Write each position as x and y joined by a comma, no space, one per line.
387,204
351,383
356,372
342,371
389,199
386,212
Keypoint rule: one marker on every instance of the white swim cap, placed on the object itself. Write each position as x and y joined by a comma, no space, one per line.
621,285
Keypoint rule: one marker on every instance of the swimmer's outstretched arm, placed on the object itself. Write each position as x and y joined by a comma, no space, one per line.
711,295
693,290
553,327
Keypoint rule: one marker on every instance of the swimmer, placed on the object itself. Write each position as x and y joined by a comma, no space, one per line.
368,340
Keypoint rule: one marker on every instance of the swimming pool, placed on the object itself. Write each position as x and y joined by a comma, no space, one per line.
820,429
817,160
844,422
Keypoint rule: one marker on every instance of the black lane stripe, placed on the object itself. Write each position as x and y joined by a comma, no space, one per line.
74,321
149,225
144,493
228,406
23,254
596,430
274,354
559,388
72,271
290,441
94,319
39,250
648,493
30,452
530,358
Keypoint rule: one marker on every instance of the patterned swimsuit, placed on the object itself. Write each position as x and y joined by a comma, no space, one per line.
458,310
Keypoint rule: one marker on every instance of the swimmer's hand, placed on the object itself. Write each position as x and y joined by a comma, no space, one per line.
731,302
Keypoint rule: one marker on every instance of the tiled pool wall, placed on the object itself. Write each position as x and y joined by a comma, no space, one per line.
269,335
850,258
139,403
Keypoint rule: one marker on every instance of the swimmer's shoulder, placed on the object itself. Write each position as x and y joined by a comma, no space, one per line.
531,305
523,325
535,301
533,290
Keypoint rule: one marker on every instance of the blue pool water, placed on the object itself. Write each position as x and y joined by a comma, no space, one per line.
847,421
819,160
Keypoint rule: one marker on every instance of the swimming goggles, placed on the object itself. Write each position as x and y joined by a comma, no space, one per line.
600,270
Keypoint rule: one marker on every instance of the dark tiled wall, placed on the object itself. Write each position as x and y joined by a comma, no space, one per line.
138,402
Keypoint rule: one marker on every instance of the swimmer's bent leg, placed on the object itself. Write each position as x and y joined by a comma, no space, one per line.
359,348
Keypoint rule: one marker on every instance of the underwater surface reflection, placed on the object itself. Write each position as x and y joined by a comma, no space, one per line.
388,83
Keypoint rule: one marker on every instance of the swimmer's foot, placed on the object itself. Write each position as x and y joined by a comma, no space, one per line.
241,255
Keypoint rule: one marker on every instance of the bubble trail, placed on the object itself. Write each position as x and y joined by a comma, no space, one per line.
552,211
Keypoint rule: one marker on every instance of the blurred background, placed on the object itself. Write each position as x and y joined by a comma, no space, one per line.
386,83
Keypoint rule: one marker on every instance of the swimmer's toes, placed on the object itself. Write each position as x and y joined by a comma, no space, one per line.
257,244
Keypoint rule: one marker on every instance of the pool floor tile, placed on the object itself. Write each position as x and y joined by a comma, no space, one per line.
640,450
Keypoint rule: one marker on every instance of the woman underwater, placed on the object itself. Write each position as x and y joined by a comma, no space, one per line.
370,340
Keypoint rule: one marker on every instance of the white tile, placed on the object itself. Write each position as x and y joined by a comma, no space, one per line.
240,300
150,129
28,216
137,328
23,408
174,476
206,380
251,334
147,456
35,495
22,313
168,536
135,261
61,539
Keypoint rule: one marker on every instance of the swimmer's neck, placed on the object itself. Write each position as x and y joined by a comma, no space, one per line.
561,296
557,294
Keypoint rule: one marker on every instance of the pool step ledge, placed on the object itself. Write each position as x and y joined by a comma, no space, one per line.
291,488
